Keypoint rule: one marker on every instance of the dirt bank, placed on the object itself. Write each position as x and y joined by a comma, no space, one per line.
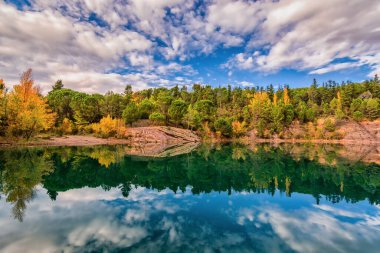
150,138
139,136
351,133
160,141
70,140
160,134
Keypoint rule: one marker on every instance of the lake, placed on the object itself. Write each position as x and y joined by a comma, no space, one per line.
214,198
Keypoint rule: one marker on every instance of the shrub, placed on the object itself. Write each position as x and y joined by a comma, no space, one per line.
372,108
67,126
358,116
157,118
238,128
108,127
223,125
329,125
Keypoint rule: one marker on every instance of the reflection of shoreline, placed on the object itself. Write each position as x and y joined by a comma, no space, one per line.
323,152
315,141
159,150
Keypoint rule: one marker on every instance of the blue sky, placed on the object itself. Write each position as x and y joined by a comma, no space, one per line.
95,46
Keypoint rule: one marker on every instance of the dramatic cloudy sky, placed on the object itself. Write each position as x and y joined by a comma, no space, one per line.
102,45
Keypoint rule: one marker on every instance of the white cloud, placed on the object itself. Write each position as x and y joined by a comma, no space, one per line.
234,16
311,230
335,67
144,37
311,35
83,54
240,61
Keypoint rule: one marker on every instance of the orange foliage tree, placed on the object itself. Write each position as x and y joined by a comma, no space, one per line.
238,128
28,111
286,96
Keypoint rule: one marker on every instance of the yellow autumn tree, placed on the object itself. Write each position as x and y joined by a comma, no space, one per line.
260,106
28,111
238,128
108,127
275,99
286,96
339,101
67,126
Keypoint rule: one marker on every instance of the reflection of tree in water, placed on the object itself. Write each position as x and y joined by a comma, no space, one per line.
107,155
314,170
22,170
228,168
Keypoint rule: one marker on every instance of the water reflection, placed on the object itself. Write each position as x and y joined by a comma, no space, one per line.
311,199
21,171
88,220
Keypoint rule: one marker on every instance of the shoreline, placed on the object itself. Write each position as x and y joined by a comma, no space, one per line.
88,140
67,141
316,141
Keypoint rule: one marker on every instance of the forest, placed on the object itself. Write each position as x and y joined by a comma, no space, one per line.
222,112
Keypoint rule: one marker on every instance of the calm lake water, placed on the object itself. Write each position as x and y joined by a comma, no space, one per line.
229,198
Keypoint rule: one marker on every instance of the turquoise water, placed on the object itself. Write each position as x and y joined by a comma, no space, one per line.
228,198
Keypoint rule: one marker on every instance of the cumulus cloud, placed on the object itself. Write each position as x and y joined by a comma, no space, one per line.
52,38
335,67
240,61
310,230
312,35
234,16
156,38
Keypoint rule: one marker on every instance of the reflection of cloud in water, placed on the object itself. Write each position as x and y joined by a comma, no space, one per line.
149,220
315,230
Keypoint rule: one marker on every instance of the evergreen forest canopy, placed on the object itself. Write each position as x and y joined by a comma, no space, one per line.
227,111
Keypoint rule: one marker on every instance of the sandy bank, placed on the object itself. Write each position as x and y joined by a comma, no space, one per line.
138,136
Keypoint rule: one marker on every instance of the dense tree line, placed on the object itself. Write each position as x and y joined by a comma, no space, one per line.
226,111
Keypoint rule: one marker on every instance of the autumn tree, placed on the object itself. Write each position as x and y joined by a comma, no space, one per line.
3,107
193,118
109,127
28,111
260,106
286,96
238,128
